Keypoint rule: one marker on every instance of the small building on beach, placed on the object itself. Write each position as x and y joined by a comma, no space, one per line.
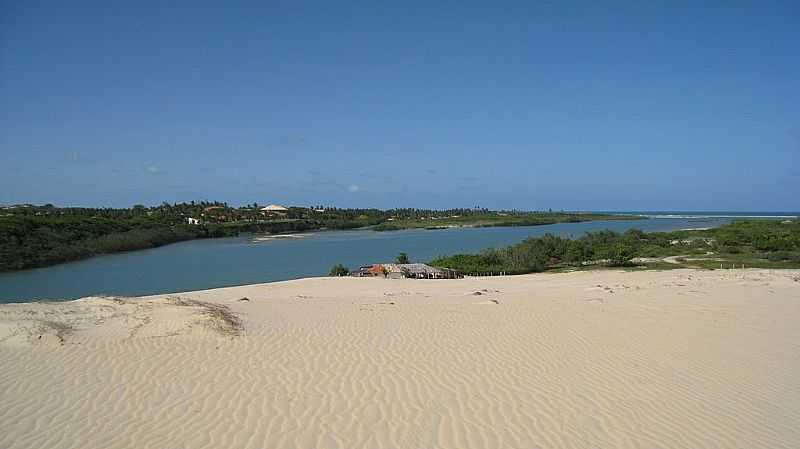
363,271
406,271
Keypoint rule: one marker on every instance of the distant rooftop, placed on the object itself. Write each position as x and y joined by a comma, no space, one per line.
274,208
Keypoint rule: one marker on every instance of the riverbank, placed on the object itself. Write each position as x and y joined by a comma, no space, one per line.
498,219
752,243
677,359
36,237
223,262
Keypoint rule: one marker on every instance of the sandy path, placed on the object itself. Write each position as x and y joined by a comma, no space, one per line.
675,359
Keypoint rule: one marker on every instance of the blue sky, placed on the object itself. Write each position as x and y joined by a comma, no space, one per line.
532,105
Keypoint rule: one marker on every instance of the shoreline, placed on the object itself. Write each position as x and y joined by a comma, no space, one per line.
250,258
641,268
143,246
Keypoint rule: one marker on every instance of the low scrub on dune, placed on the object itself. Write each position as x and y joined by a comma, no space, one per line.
753,242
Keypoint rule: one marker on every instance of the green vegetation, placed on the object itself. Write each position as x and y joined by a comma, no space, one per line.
485,218
752,243
37,236
402,258
339,270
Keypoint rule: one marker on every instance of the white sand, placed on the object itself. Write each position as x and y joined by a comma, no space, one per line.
676,359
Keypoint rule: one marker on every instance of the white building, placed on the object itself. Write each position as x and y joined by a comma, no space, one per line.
274,209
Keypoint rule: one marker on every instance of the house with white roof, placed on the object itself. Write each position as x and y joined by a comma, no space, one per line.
274,209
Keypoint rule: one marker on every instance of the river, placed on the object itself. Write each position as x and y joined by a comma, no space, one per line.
210,263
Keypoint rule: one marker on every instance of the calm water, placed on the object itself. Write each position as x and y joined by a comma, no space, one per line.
202,264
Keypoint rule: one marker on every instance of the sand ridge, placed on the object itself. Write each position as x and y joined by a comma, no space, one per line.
605,359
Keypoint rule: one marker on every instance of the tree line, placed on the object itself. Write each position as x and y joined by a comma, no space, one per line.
36,236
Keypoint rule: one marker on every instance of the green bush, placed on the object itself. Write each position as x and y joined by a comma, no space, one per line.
779,256
620,255
339,270
729,249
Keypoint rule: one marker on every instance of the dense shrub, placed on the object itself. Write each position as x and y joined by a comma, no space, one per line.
339,270
779,256
620,255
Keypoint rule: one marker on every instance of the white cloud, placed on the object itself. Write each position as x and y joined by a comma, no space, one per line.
152,169
353,188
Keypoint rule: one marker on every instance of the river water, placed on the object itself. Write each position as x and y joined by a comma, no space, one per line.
203,264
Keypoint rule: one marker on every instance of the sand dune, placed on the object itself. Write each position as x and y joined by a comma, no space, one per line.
675,359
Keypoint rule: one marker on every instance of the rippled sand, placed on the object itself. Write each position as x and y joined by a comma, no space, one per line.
676,359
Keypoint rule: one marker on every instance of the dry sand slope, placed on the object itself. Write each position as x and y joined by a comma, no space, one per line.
677,359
